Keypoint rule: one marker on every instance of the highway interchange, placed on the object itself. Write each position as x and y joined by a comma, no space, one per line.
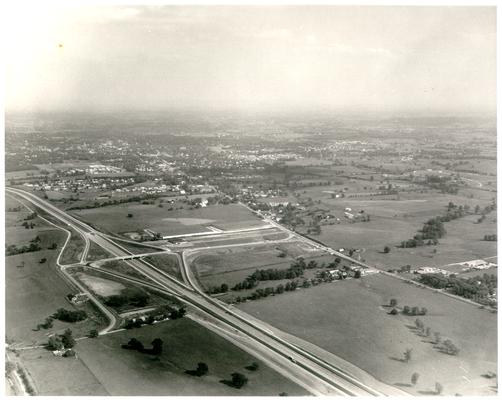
315,374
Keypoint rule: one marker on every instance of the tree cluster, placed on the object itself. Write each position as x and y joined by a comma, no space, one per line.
158,314
201,370
223,288
69,315
434,229
296,270
28,225
490,238
33,246
414,310
476,288
238,380
64,341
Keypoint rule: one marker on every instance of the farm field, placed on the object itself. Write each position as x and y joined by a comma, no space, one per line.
174,222
394,221
58,376
35,292
347,319
233,265
186,343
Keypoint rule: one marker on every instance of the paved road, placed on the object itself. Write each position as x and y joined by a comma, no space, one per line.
112,320
317,376
212,233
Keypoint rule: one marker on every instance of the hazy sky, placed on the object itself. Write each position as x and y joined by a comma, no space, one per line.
331,57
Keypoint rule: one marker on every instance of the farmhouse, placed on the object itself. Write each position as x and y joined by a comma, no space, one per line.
79,298
430,270
478,264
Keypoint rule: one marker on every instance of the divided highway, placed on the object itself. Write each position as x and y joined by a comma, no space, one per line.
315,374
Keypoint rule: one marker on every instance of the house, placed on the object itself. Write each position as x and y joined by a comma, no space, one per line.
79,298
426,270
431,270
478,264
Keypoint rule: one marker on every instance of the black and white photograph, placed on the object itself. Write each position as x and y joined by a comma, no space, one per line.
250,199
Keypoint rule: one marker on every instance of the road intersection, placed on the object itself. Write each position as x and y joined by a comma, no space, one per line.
312,372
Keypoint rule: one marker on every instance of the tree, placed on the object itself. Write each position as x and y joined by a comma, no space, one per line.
43,260
93,333
129,215
357,274
67,339
239,380
253,367
393,302
157,346
439,388
406,310
414,378
224,288
55,343
202,369
393,312
450,348
407,355
133,344
386,249
437,337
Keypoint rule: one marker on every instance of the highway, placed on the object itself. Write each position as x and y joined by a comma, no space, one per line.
315,374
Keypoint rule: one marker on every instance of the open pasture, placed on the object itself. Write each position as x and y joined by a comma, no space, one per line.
186,343
34,292
393,221
348,318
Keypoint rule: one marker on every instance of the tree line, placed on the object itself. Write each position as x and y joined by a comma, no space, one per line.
476,288
33,246
433,229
